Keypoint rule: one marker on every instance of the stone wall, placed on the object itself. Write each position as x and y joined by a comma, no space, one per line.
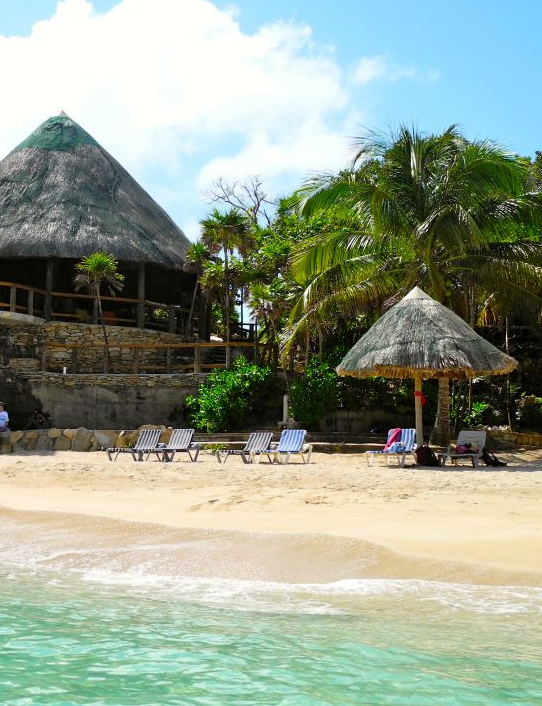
22,346
80,439
503,438
113,401
361,421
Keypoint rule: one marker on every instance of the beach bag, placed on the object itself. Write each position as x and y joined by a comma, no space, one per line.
489,458
462,449
426,456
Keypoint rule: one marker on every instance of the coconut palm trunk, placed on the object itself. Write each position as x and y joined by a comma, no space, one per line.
441,433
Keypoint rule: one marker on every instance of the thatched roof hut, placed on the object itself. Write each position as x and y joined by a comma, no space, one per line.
419,336
62,197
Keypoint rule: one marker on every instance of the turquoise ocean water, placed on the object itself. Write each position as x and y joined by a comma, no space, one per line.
103,613
105,639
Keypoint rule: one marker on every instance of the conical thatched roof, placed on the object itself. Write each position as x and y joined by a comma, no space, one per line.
419,336
62,195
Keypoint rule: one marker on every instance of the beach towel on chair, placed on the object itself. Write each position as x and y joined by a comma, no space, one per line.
394,437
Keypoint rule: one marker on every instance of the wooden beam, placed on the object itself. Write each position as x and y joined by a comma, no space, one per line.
48,304
141,296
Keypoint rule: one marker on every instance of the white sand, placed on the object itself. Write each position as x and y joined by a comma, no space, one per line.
481,525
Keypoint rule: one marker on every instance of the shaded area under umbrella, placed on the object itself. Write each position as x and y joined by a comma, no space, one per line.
420,338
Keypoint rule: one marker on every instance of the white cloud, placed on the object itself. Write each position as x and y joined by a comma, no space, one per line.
369,69
379,68
176,86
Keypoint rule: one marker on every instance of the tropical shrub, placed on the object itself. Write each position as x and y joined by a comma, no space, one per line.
227,397
314,394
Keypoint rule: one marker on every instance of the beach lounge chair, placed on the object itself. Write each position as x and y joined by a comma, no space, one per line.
291,442
468,436
180,442
257,443
146,443
397,444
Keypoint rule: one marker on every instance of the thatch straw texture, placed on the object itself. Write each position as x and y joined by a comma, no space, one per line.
62,195
419,336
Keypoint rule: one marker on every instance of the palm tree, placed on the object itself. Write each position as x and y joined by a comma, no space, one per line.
226,232
92,272
195,258
439,211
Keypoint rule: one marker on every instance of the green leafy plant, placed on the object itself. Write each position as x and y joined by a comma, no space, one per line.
478,414
529,412
314,394
227,397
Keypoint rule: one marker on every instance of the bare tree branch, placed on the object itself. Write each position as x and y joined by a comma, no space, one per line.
247,196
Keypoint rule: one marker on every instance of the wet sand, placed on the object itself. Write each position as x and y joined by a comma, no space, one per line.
332,519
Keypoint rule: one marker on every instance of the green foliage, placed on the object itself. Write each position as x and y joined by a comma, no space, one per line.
478,414
97,269
529,412
314,394
227,397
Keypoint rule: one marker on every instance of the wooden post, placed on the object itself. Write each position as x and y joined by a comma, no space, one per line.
30,304
197,359
74,361
141,297
13,299
48,303
172,320
418,409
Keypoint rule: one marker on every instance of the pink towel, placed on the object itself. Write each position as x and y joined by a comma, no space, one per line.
393,436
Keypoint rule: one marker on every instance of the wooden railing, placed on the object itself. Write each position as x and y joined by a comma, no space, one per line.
140,358
121,311
117,310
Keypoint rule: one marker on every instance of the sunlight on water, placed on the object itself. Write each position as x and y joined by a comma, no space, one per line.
64,641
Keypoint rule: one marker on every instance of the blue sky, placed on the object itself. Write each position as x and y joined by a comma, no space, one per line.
184,91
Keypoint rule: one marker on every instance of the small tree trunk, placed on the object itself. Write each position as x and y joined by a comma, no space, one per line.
227,307
441,433
106,342
192,305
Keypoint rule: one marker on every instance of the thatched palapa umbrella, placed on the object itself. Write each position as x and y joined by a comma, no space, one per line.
420,338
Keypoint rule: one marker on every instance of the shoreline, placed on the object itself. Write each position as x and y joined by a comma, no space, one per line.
332,519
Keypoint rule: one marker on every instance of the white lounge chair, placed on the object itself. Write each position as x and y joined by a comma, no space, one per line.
257,443
146,443
405,444
291,442
468,436
180,442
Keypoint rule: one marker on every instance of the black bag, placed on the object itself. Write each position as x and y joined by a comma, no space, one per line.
426,456
489,458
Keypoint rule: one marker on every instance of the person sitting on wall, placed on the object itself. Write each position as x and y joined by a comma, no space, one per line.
4,418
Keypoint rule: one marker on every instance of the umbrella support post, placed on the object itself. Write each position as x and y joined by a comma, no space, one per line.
418,409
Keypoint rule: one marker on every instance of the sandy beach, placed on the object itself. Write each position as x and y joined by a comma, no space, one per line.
334,518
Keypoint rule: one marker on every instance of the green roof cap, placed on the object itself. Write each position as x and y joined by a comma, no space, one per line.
58,133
